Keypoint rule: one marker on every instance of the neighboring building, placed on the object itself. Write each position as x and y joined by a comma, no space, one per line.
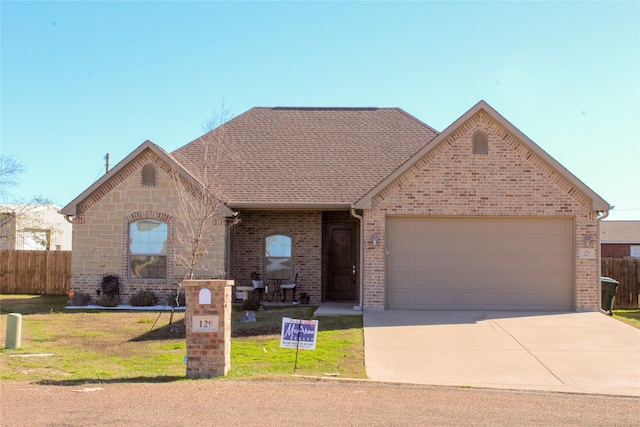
34,227
619,239
368,205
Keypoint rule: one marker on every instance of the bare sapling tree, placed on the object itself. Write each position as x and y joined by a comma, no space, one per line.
10,168
200,227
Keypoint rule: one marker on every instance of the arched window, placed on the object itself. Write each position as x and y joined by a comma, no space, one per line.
480,143
148,249
149,175
278,256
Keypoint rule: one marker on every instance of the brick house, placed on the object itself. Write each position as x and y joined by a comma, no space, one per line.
368,205
619,239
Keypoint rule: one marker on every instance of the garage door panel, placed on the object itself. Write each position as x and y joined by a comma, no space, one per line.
480,263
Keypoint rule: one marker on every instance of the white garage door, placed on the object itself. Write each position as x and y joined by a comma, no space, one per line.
470,263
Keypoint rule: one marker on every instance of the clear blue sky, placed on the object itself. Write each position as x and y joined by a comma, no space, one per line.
81,79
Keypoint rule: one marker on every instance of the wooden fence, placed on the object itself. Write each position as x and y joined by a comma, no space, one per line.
49,272
35,272
627,272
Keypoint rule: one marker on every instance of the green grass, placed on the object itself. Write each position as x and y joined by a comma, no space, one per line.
32,304
120,346
630,316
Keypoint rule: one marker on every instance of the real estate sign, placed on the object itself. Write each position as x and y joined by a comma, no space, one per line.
298,333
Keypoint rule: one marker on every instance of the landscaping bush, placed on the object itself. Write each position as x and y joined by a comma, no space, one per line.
250,305
80,299
144,298
108,300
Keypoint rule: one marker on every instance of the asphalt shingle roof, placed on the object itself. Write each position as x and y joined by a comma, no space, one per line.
306,156
620,232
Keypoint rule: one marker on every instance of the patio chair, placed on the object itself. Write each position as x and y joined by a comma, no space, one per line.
258,285
289,286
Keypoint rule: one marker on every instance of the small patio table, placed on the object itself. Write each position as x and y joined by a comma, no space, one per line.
245,291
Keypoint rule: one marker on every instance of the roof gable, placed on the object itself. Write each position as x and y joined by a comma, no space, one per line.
102,182
597,203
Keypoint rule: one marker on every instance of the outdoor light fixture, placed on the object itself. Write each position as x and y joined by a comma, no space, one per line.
587,239
374,239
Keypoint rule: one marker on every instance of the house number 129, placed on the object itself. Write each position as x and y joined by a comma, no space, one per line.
205,324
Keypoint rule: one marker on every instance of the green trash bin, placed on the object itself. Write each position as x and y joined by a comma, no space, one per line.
608,287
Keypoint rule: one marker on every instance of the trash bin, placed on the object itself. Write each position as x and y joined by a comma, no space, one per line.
608,287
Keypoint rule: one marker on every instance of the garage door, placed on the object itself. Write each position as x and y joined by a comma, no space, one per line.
469,263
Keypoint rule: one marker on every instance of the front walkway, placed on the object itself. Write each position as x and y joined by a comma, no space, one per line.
331,308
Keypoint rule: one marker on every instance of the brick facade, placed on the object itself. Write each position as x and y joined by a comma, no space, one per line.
101,232
305,230
616,250
512,179
508,181
208,353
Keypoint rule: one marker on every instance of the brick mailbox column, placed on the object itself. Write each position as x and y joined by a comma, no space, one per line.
208,325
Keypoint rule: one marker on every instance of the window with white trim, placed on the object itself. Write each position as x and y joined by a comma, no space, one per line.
278,257
148,249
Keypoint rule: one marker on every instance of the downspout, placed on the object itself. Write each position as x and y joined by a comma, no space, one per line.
605,214
360,305
227,247
230,222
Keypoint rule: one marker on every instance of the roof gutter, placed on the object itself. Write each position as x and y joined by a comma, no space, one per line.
360,305
288,206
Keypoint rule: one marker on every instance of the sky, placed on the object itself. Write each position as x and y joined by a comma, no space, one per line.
80,79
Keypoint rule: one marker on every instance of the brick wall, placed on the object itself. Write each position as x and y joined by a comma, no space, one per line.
101,230
508,181
208,353
248,246
616,250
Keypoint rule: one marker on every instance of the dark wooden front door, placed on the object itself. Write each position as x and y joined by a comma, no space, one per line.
342,262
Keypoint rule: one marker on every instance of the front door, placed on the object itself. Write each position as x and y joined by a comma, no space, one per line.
342,262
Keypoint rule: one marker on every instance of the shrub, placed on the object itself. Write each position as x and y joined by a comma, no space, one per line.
144,298
108,300
80,299
250,305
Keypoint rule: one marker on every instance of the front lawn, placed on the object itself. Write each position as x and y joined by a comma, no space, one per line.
630,316
61,345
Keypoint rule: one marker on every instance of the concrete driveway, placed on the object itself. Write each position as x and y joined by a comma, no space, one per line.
561,352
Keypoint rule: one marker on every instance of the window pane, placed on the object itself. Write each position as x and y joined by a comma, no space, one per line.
278,268
148,249
148,267
148,236
278,245
278,257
